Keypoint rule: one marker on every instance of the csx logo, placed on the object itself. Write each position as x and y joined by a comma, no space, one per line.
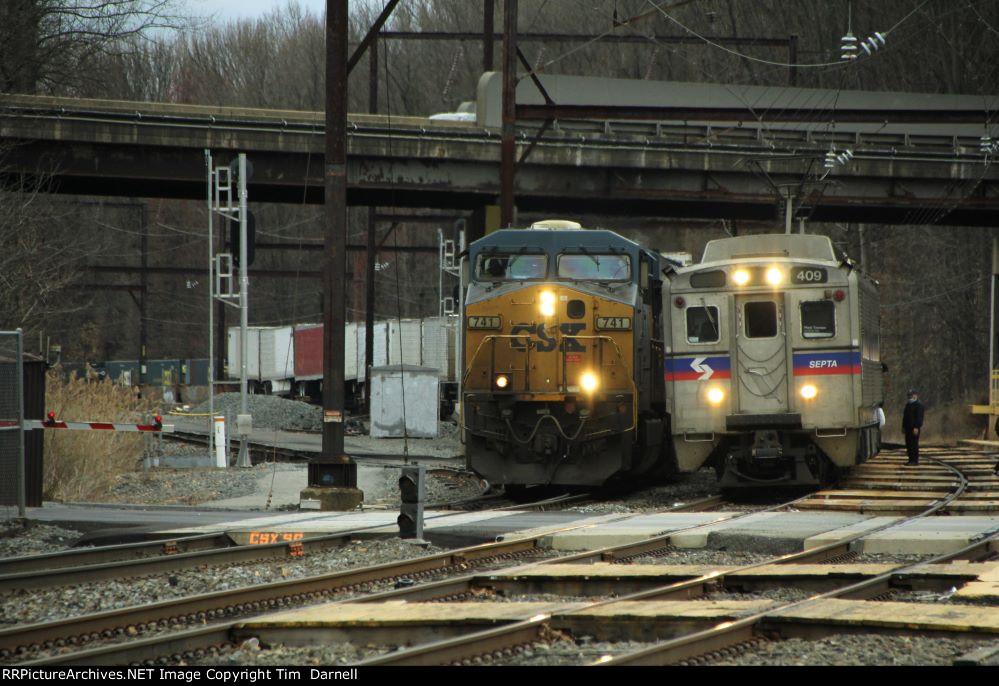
820,364
545,343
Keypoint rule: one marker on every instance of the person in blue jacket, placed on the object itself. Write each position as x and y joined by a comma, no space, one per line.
912,422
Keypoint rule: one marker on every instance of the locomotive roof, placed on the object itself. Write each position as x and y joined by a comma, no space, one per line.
554,240
791,245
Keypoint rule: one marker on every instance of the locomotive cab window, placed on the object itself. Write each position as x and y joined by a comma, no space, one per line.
594,267
818,319
702,324
496,267
760,319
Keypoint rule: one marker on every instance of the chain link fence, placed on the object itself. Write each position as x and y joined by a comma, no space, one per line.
11,420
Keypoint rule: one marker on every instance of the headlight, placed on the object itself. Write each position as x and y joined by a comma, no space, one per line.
808,392
589,382
501,381
741,277
547,305
774,276
715,396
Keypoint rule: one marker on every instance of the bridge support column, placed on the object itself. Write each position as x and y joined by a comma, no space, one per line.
484,220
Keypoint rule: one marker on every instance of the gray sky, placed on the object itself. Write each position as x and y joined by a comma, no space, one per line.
229,10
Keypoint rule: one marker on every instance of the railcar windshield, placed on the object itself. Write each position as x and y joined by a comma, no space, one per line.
702,324
761,319
594,267
511,267
818,319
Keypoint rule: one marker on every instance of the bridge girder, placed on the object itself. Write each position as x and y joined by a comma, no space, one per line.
404,162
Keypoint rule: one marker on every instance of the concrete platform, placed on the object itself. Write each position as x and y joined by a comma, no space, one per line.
764,532
932,535
635,528
767,532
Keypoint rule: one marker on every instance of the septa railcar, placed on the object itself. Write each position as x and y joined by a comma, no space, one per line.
773,369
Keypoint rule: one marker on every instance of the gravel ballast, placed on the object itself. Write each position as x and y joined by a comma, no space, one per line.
52,604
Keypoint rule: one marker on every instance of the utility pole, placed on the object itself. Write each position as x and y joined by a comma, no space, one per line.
487,34
333,477
372,252
507,148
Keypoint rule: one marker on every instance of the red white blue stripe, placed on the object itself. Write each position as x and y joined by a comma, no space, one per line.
698,368
826,364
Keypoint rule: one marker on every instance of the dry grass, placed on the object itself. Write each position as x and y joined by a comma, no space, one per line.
84,465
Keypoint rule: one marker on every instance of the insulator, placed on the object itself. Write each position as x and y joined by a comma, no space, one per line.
985,143
830,159
848,47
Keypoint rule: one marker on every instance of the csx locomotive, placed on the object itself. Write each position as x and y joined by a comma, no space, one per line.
563,358
773,371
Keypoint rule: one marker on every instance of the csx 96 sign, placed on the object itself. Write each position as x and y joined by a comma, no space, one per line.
267,537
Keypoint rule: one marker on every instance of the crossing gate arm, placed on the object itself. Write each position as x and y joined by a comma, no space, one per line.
31,424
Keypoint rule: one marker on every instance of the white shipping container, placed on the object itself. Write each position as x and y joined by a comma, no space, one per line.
404,342
350,352
277,353
381,344
404,402
438,345
359,350
252,353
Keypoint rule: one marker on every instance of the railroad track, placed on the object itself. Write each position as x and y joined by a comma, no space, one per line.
886,486
559,621
89,565
20,643
724,638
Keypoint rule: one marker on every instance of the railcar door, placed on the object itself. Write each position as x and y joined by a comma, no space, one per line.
760,363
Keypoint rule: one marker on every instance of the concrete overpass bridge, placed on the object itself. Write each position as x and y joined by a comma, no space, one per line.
926,166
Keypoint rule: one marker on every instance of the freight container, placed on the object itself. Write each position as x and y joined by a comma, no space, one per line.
361,351
308,352
277,359
163,373
404,342
252,353
403,402
381,344
197,372
437,350
123,372
350,353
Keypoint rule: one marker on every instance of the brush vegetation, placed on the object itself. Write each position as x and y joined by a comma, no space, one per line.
84,465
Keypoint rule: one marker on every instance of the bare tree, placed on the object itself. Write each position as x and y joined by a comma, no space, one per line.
41,256
48,46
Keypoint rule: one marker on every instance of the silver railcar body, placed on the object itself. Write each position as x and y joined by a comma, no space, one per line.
773,368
